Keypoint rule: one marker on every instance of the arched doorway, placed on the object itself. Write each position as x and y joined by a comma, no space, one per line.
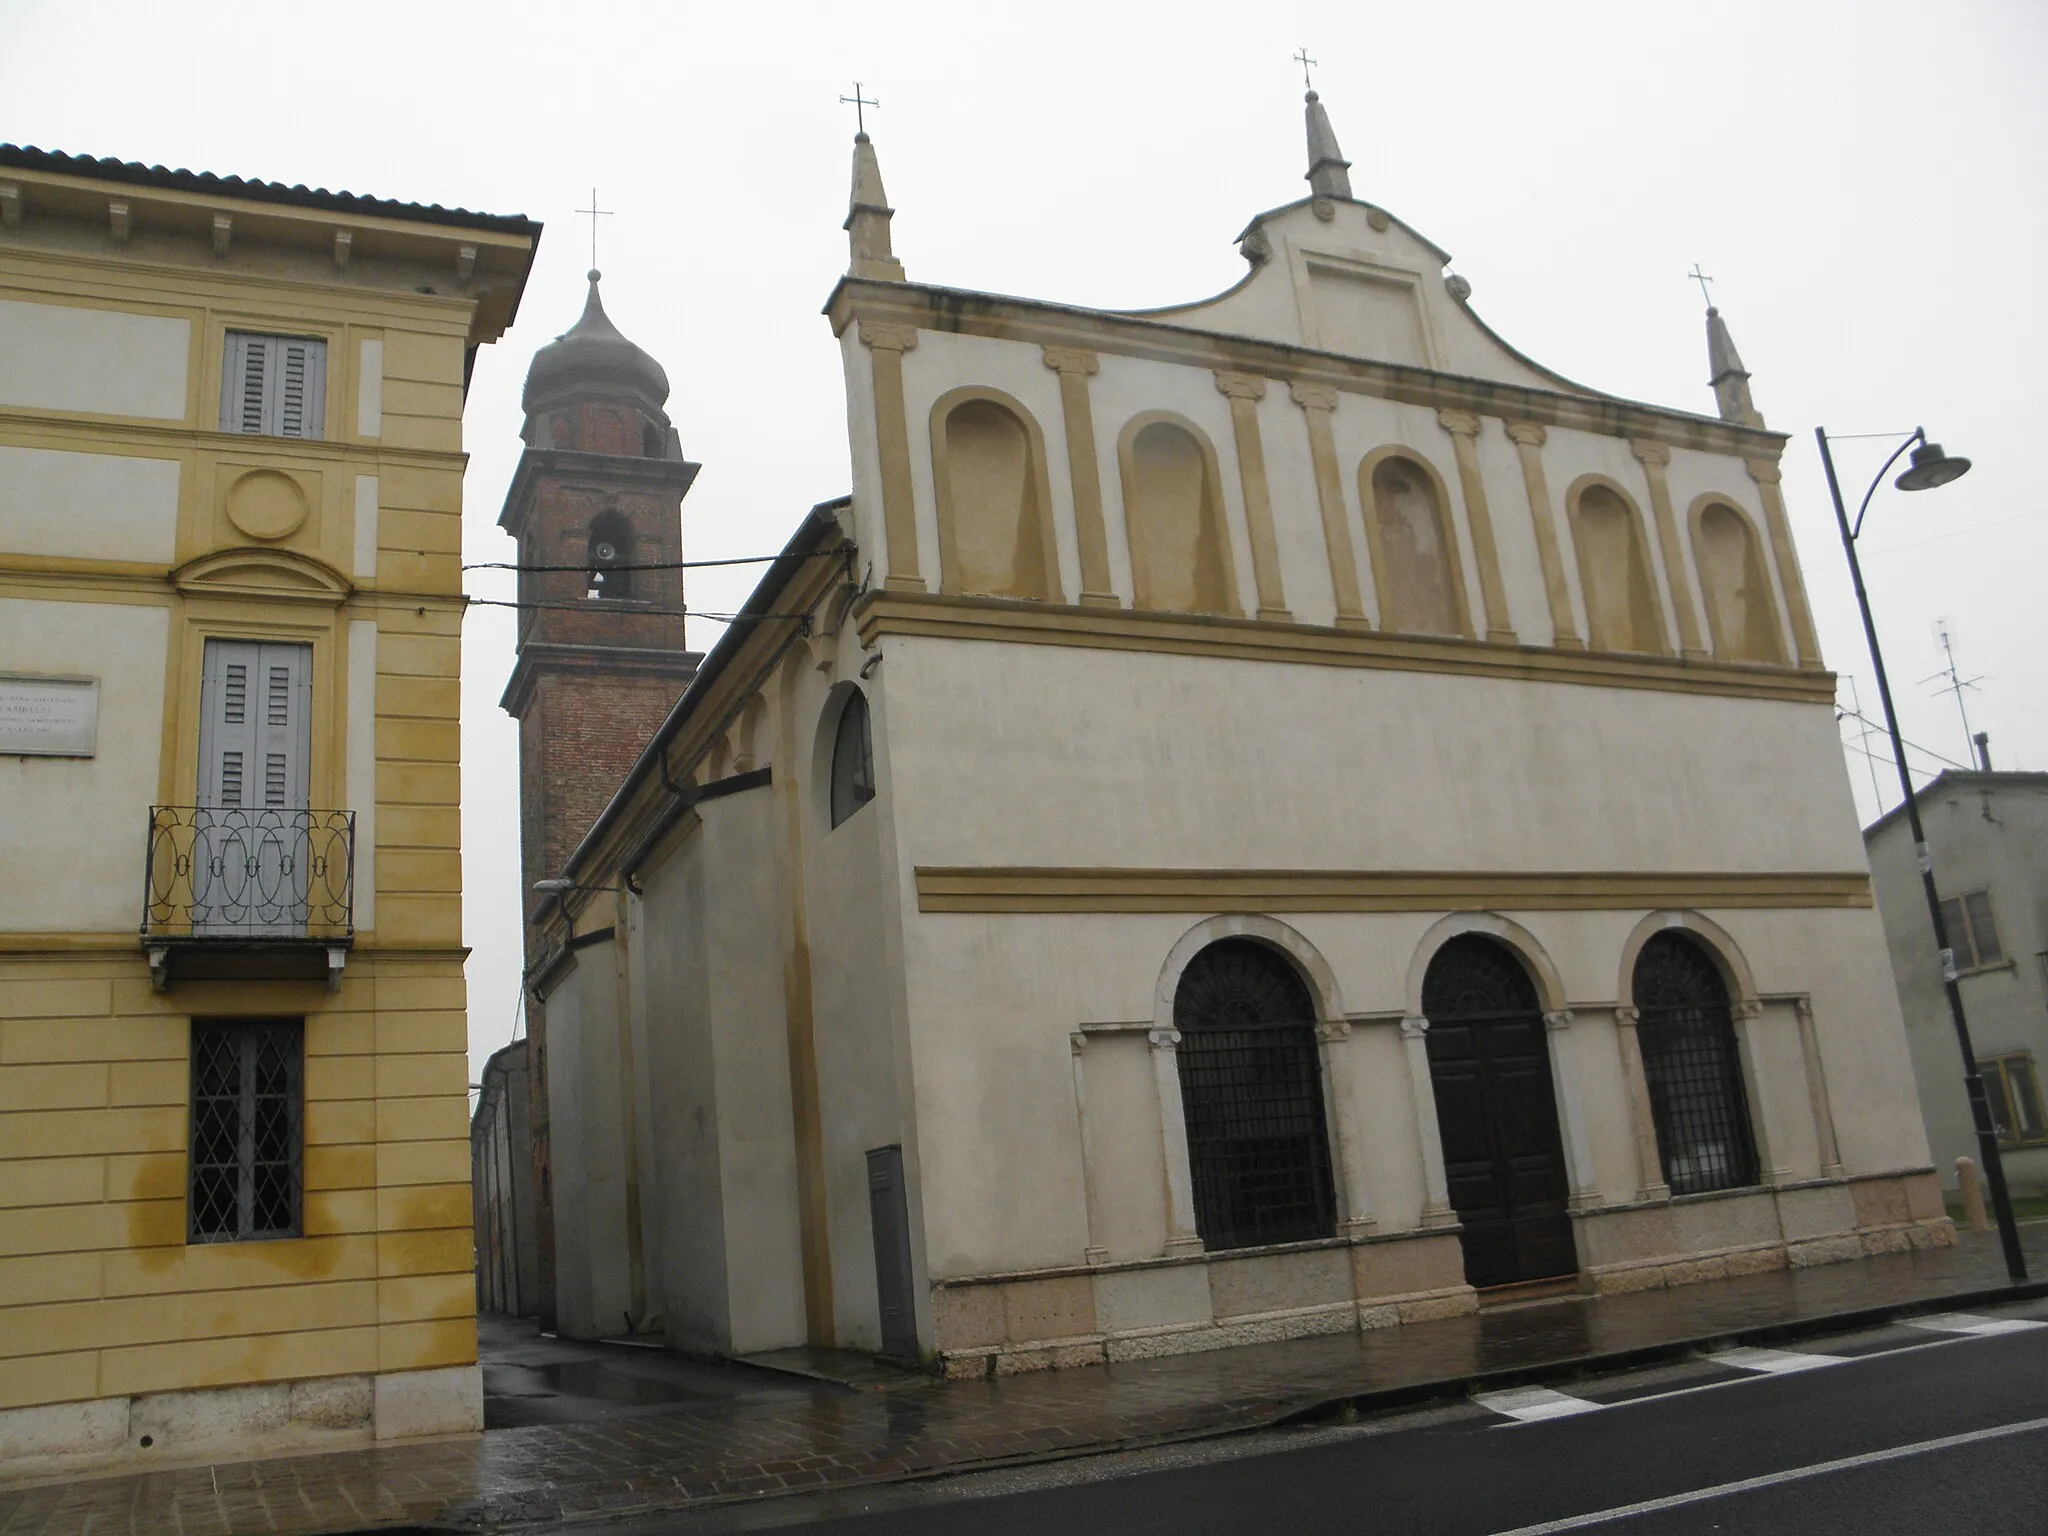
1489,1064
1252,1094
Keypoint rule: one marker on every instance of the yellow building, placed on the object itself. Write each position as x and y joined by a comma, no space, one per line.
234,1168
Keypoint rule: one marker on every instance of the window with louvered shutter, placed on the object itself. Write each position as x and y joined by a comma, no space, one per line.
274,386
1972,930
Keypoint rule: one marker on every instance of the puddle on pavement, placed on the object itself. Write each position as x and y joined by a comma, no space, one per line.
583,1378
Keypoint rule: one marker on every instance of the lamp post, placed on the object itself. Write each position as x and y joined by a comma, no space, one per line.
1930,468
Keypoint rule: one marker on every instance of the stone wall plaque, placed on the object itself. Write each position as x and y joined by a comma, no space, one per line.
48,716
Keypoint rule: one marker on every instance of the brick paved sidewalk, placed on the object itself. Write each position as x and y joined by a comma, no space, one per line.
549,1473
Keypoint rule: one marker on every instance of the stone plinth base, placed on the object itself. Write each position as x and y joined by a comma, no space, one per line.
1000,1324
169,1428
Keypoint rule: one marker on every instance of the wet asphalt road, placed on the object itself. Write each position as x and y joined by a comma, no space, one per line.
1941,1431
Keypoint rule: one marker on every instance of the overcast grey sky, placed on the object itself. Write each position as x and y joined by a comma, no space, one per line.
1864,180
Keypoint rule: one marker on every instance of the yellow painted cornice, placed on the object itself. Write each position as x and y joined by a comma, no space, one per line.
945,616
1049,889
150,438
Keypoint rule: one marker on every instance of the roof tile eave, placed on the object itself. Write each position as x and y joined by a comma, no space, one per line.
134,173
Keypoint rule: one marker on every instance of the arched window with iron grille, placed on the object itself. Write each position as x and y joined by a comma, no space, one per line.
1251,1091
1693,1066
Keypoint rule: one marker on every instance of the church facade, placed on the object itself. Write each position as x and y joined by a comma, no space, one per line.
1270,816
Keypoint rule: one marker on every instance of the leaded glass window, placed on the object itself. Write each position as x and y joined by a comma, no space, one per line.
1693,1066
247,1130
1252,1094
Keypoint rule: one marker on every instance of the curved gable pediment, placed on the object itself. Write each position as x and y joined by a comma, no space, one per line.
277,574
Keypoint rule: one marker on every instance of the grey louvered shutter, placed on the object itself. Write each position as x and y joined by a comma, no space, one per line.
255,731
301,386
274,386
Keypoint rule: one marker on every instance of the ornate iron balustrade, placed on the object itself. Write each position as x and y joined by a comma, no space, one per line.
236,873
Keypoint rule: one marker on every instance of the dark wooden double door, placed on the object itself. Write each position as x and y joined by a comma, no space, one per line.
1489,1063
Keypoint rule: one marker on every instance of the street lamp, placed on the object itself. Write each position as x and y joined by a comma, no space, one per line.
1930,468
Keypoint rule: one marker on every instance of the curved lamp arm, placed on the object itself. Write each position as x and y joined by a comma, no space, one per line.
1919,435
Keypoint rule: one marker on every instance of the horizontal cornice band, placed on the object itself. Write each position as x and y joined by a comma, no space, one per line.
1116,629
1049,889
1026,320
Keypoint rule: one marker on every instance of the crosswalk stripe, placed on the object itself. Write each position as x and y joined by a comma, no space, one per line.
1774,1362
1969,1322
1529,1404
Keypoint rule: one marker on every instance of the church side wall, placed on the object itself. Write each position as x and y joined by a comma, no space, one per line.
746,1018
690,1286
586,1092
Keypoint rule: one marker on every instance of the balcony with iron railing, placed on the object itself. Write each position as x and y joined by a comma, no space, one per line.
260,893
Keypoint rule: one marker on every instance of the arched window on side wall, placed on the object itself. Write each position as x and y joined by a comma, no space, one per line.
1693,1065
853,759
610,557
1252,1093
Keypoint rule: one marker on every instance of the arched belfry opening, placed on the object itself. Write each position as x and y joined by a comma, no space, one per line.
1251,1089
1496,1109
1692,1063
609,556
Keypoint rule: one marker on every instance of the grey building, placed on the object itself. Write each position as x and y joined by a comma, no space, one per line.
1988,834
501,1187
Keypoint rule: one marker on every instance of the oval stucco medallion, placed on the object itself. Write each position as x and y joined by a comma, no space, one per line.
266,505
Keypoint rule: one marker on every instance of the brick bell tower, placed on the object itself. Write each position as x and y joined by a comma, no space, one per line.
597,498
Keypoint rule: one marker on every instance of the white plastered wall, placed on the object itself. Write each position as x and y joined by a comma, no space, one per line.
593,1271
88,506
64,357
1108,759
48,803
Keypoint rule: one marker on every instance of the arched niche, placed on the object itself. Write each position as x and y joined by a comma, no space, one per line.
1173,513
1416,568
1624,611
994,504
1742,610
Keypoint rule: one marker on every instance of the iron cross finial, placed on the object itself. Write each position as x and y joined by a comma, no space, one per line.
1301,57
1702,279
595,214
860,104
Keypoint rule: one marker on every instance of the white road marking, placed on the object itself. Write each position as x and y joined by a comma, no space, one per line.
1532,1403
1774,1362
1773,1479
1969,1322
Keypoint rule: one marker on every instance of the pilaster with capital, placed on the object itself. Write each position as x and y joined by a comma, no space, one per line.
1355,1218
1318,404
1182,1236
1245,390
1791,580
1656,461
1075,366
1528,438
1746,1014
886,345
1817,1092
1571,1110
1436,1189
1464,429
1094,1252
1642,1122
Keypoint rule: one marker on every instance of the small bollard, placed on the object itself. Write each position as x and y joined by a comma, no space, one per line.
1971,1187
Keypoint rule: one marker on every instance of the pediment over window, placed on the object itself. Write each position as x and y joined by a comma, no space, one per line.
277,574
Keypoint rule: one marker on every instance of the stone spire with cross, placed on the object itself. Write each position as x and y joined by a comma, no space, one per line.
1329,173
1726,375
868,212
